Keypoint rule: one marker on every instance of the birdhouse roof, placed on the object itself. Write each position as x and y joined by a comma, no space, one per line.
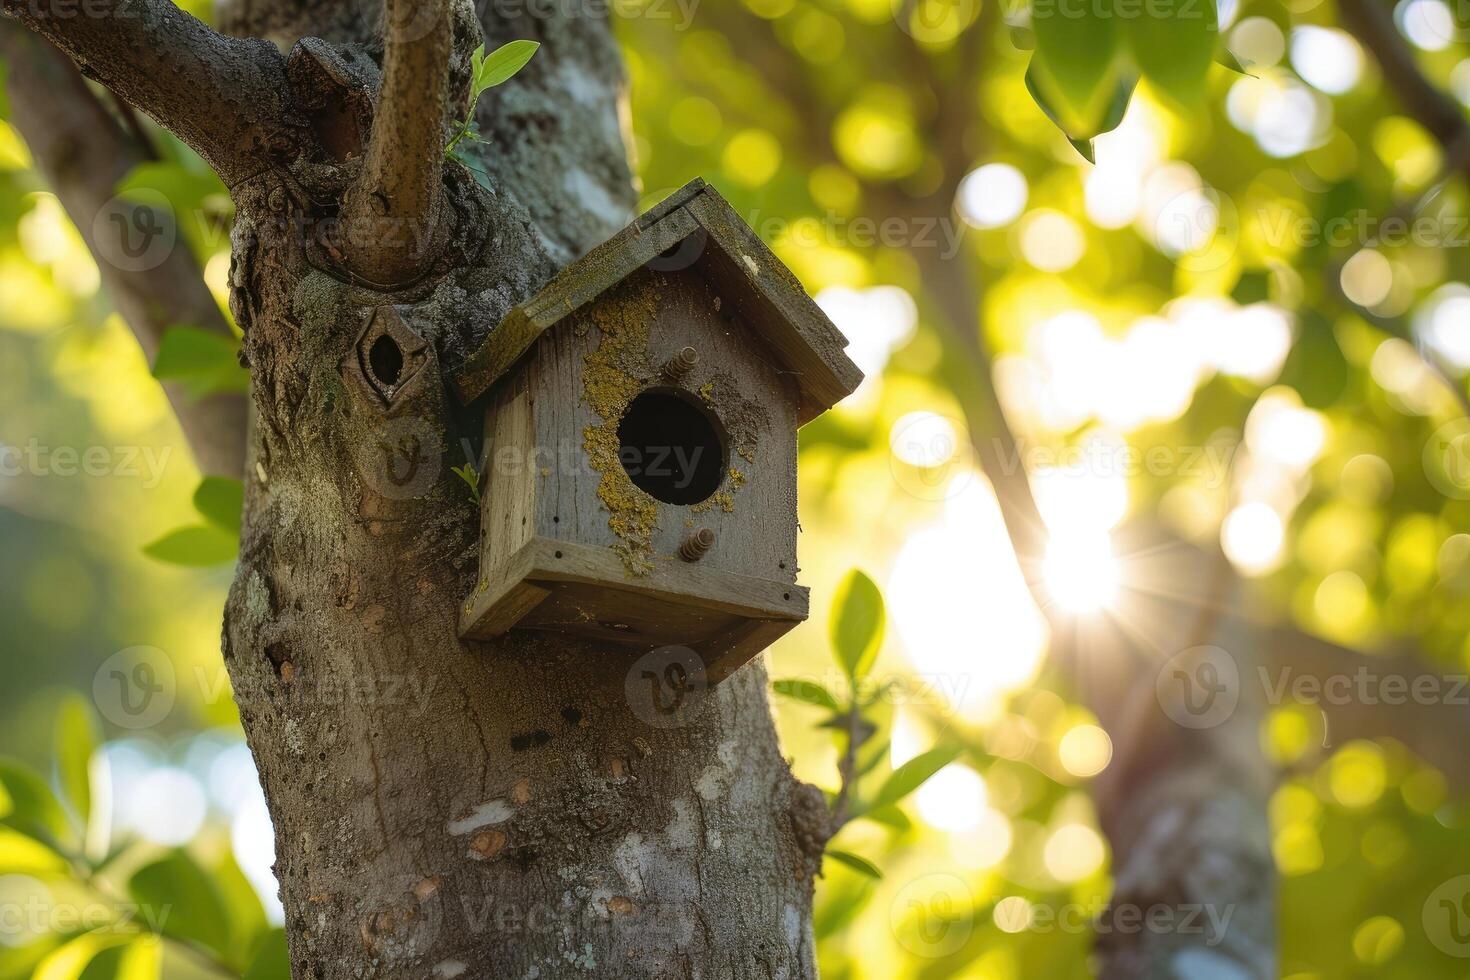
693,228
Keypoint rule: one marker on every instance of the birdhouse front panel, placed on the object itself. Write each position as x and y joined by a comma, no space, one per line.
641,428
683,426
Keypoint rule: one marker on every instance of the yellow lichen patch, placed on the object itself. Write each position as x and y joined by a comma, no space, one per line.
724,500
737,479
707,391
613,374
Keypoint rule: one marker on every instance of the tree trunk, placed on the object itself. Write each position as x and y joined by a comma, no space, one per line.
502,810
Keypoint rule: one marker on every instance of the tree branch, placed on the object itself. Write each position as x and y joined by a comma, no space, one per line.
83,153
225,97
392,215
1371,22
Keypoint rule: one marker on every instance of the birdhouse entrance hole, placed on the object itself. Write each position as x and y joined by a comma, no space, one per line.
672,447
385,358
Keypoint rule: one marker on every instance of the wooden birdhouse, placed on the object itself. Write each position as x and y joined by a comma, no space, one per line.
641,412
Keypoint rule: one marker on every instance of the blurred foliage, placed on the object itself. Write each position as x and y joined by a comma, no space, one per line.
1224,283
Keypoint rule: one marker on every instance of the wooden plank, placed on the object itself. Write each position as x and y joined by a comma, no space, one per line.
544,565
504,599
505,612
741,595
741,645
573,288
755,278
509,483
777,306
626,618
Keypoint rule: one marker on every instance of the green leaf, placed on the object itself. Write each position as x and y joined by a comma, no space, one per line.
23,855
807,692
874,757
187,190
141,959
857,624
178,892
206,363
1173,44
74,960
859,864
34,809
471,476
911,775
271,959
20,962
1316,366
220,500
195,547
889,816
76,740
245,913
1076,62
502,64
1253,286
1227,59
1081,140
839,903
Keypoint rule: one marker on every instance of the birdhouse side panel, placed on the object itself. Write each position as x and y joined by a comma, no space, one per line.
509,478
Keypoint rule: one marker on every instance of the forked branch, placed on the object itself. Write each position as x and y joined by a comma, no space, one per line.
225,97
392,215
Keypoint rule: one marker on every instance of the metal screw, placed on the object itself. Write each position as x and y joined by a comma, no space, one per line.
697,545
682,363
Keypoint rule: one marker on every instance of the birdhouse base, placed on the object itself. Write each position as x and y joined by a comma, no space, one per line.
565,587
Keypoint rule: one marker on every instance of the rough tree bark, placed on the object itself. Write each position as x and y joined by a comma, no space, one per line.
513,809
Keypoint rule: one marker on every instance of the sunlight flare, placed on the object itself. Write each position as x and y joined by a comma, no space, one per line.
1082,571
